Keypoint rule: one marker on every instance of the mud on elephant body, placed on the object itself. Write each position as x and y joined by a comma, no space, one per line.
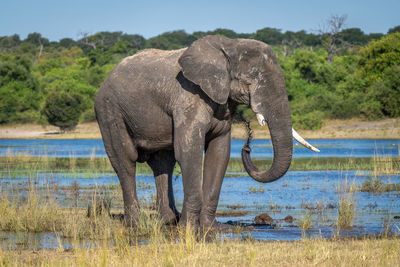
163,107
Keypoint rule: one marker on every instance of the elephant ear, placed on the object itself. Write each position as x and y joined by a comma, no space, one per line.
205,64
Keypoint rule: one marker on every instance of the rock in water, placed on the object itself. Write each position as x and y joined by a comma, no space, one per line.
263,218
288,219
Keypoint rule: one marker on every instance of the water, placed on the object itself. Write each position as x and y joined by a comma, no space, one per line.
296,194
261,148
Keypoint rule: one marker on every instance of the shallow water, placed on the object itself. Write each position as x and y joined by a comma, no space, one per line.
298,193
261,148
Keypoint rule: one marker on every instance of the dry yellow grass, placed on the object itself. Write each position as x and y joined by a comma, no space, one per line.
367,252
354,128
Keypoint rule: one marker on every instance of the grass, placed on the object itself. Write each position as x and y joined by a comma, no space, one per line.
101,239
16,166
306,252
31,211
382,167
256,189
305,222
385,165
347,205
377,185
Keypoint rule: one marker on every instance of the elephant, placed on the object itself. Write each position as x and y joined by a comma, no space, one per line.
163,107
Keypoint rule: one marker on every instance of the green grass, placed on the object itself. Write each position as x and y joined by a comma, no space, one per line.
38,211
377,185
379,180
15,166
256,189
347,205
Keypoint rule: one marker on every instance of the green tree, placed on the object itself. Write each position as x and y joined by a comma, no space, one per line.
354,36
63,109
171,40
385,94
19,91
378,65
379,55
67,42
394,29
270,36
8,43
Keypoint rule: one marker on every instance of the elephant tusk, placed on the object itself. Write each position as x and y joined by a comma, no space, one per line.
301,140
260,119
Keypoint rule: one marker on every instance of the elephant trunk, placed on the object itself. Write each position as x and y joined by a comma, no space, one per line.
280,127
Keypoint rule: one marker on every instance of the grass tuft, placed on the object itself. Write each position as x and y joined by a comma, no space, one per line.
347,205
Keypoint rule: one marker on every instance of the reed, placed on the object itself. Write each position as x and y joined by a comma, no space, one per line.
305,223
15,166
256,189
347,204
379,178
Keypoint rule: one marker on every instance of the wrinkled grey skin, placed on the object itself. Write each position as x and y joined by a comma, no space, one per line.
161,107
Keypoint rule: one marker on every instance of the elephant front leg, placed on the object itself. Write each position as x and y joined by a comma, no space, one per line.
188,146
215,164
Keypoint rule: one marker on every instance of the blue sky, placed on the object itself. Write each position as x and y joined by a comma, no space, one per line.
57,19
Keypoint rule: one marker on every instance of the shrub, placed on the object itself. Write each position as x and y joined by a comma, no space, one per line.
63,109
309,121
19,91
379,55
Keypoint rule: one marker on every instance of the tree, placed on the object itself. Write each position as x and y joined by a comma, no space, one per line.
270,36
37,40
330,30
8,43
394,29
379,55
67,42
354,36
20,95
63,109
171,40
379,65
137,41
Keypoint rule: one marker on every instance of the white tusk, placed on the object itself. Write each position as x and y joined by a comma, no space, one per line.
260,119
300,139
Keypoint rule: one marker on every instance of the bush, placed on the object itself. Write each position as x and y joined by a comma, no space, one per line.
309,121
388,92
371,110
63,109
379,55
19,91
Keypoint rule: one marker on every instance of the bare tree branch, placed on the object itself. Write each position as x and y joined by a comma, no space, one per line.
331,29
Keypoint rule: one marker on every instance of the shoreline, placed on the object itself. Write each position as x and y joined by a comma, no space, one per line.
332,129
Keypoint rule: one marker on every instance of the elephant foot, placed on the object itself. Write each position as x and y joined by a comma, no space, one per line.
207,221
130,220
189,219
170,217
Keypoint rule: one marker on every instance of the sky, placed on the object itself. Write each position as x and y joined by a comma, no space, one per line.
57,19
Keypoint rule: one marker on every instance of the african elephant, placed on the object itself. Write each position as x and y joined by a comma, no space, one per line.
161,107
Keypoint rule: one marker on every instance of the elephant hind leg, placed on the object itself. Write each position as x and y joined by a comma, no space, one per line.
162,163
123,155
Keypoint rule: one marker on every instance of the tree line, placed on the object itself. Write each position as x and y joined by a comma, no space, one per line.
336,73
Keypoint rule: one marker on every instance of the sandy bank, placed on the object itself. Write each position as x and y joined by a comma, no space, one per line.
347,129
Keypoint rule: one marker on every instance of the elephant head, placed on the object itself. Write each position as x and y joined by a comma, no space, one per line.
246,71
